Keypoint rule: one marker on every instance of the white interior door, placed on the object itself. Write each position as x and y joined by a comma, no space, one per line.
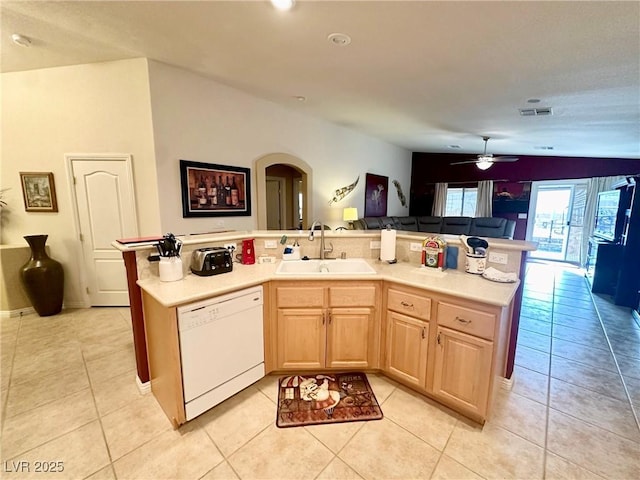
106,211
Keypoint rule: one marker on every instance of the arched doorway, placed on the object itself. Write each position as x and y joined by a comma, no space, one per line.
269,164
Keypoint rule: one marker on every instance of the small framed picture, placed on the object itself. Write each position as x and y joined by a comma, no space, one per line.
211,190
38,191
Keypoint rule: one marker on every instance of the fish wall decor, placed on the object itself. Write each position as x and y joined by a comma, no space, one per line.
403,199
343,192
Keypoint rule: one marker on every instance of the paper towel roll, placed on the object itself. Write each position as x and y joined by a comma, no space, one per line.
387,245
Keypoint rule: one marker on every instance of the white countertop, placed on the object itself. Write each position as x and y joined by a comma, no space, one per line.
451,282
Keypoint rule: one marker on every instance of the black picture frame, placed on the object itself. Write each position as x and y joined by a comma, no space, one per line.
375,195
201,198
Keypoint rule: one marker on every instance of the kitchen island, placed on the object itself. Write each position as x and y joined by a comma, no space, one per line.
445,334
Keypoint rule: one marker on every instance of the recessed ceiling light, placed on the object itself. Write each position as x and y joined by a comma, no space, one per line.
283,5
340,39
21,40
533,100
300,98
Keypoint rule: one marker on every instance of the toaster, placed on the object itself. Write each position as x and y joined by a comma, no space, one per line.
211,261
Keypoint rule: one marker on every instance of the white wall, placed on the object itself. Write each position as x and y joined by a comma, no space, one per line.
47,113
197,119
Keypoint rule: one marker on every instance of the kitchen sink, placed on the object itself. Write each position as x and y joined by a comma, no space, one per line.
350,266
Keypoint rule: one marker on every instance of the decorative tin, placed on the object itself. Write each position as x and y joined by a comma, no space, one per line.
433,252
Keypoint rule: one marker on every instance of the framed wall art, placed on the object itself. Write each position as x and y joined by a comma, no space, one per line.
38,192
210,190
375,195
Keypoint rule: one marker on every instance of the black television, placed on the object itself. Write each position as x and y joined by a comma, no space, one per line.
607,216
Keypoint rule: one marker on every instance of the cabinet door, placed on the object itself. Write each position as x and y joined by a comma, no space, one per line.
407,345
301,338
349,338
463,370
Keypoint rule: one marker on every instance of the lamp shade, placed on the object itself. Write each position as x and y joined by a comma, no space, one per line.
350,214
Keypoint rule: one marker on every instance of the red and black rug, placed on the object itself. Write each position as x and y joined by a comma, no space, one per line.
319,398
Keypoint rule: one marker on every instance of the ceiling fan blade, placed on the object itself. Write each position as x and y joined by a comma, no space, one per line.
505,159
462,163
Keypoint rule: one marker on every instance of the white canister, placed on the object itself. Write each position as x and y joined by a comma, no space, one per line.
475,264
170,269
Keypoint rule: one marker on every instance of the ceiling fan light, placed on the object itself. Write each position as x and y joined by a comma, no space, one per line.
483,163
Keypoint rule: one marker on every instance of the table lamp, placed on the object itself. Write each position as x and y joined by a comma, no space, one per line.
350,214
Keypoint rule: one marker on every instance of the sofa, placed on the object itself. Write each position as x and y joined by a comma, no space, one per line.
493,227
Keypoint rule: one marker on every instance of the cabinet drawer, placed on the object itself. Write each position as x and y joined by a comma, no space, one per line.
473,322
299,297
352,296
409,304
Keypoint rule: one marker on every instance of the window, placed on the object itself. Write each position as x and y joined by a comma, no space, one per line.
461,202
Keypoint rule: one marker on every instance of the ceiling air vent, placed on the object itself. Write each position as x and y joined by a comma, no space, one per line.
533,112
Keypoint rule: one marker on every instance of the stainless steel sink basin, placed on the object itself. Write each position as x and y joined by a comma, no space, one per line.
350,266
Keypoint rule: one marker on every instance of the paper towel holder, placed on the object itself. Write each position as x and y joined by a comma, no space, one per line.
394,259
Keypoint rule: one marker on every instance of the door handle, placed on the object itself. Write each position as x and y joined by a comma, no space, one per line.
423,332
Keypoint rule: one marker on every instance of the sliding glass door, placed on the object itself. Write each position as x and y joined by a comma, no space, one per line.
555,220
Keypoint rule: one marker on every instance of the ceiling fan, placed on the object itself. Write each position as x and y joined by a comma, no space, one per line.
485,160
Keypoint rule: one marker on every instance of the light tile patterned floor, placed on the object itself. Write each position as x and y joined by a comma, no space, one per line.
69,394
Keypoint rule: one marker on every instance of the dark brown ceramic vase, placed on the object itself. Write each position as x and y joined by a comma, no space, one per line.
42,278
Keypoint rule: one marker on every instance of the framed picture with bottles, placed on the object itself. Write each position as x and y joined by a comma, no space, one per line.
210,190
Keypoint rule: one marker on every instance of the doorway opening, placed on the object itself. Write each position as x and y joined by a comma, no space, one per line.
282,186
556,219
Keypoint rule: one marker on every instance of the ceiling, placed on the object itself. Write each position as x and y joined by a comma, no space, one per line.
420,74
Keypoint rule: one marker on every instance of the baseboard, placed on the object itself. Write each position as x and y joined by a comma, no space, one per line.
506,383
145,387
19,312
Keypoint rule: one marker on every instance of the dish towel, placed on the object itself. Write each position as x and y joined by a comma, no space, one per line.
496,275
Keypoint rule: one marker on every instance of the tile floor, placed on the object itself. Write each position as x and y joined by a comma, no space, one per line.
69,395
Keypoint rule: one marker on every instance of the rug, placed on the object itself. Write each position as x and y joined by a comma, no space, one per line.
321,398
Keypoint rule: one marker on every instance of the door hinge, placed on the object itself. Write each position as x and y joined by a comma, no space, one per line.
81,238
88,291
74,180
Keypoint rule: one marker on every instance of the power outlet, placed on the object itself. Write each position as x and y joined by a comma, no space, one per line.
415,247
270,244
374,245
230,246
501,258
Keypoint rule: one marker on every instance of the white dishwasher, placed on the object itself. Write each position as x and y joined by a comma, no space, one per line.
221,347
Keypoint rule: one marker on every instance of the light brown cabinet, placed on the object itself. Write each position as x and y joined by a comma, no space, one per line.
445,347
407,335
322,326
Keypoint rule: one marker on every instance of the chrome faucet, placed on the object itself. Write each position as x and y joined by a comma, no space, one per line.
323,249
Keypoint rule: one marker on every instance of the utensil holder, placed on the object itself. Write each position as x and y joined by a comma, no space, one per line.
170,269
475,264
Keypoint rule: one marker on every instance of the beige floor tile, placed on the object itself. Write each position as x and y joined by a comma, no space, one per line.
449,469
382,387
629,366
593,448
111,365
633,386
42,424
238,419
27,366
76,454
129,427
493,452
521,416
335,436
601,410
175,454
338,470
530,384
300,455
557,468
398,453
29,394
590,338
116,392
593,357
108,344
595,379
105,473
422,417
269,386
532,359
221,472
534,340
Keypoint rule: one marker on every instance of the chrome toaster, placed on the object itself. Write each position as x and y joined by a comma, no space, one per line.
211,261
